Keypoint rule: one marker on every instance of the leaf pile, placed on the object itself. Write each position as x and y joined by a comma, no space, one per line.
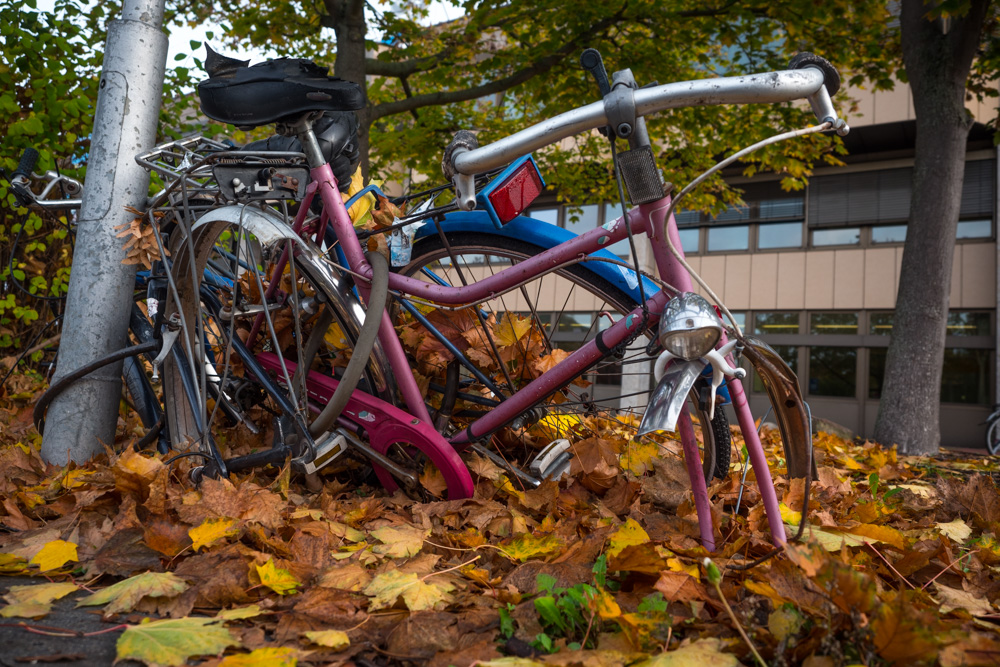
605,568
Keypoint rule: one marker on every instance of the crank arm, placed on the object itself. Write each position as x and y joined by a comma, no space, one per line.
407,478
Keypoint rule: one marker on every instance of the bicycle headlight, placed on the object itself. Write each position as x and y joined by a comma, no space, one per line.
689,327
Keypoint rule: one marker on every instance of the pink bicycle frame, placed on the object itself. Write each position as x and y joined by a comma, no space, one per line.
646,219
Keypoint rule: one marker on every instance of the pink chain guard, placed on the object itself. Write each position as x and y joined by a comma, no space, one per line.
386,425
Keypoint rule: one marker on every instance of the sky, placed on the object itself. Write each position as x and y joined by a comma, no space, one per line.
181,36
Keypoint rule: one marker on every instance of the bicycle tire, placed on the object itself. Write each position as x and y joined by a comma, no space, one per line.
431,249
993,437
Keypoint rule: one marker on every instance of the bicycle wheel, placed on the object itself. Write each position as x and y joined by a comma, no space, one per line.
234,294
993,437
511,339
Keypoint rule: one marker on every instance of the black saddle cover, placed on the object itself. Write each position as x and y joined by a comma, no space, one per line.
274,90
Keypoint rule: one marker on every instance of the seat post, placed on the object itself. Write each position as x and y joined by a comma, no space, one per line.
303,129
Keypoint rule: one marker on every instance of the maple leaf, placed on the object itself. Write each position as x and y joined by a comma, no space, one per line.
639,455
511,328
34,601
170,642
350,577
628,534
335,639
263,657
399,541
529,545
278,580
417,595
54,555
125,595
11,564
211,531
904,633
957,530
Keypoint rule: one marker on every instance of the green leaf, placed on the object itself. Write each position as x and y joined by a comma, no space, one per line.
125,595
170,642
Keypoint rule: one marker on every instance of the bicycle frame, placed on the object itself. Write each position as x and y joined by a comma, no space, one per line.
648,219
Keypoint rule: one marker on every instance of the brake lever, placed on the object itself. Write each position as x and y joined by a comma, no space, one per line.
591,61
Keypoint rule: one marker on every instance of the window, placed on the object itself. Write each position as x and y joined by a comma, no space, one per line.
549,215
880,324
741,319
580,219
690,240
889,234
791,207
721,239
833,323
832,371
876,371
776,323
848,236
578,323
779,235
790,354
687,217
965,376
974,229
734,214
965,323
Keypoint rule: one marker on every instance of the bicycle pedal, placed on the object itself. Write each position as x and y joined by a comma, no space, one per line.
327,450
553,458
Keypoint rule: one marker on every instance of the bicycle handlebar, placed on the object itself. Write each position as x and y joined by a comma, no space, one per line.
27,164
768,87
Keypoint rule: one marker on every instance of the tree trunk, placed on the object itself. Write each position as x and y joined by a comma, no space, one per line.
937,55
348,21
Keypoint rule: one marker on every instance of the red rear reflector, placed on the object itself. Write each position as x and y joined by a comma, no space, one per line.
516,192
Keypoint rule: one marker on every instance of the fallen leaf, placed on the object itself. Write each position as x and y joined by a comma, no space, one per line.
530,545
399,541
54,555
696,654
239,613
278,580
628,534
211,531
170,642
263,657
953,598
417,595
334,639
125,595
957,530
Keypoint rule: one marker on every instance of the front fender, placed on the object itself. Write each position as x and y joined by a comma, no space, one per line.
667,401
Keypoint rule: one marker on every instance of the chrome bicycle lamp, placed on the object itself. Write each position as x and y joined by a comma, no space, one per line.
689,327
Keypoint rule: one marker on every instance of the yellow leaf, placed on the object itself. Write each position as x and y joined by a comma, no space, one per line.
628,533
170,642
11,564
126,594
39,593
876,533
510,329
676,565
527,546
638,456
788,515
417,595
211,531
263,657
239,613
26,610
280,581
607,607
399,541
696,654
335,337
957,530
54,555
784,622
335,639
76,478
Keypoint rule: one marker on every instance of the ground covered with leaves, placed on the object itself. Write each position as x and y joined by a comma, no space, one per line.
899,564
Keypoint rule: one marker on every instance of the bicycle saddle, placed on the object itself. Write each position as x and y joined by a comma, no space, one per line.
272,90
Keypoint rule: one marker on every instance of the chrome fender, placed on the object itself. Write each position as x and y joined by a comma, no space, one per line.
672,391
270,230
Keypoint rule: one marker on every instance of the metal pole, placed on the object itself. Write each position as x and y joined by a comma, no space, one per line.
83,418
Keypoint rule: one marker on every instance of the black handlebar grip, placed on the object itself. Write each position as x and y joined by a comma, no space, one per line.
831,78
593,63
27,164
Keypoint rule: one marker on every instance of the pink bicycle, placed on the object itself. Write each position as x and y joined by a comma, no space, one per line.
263,307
